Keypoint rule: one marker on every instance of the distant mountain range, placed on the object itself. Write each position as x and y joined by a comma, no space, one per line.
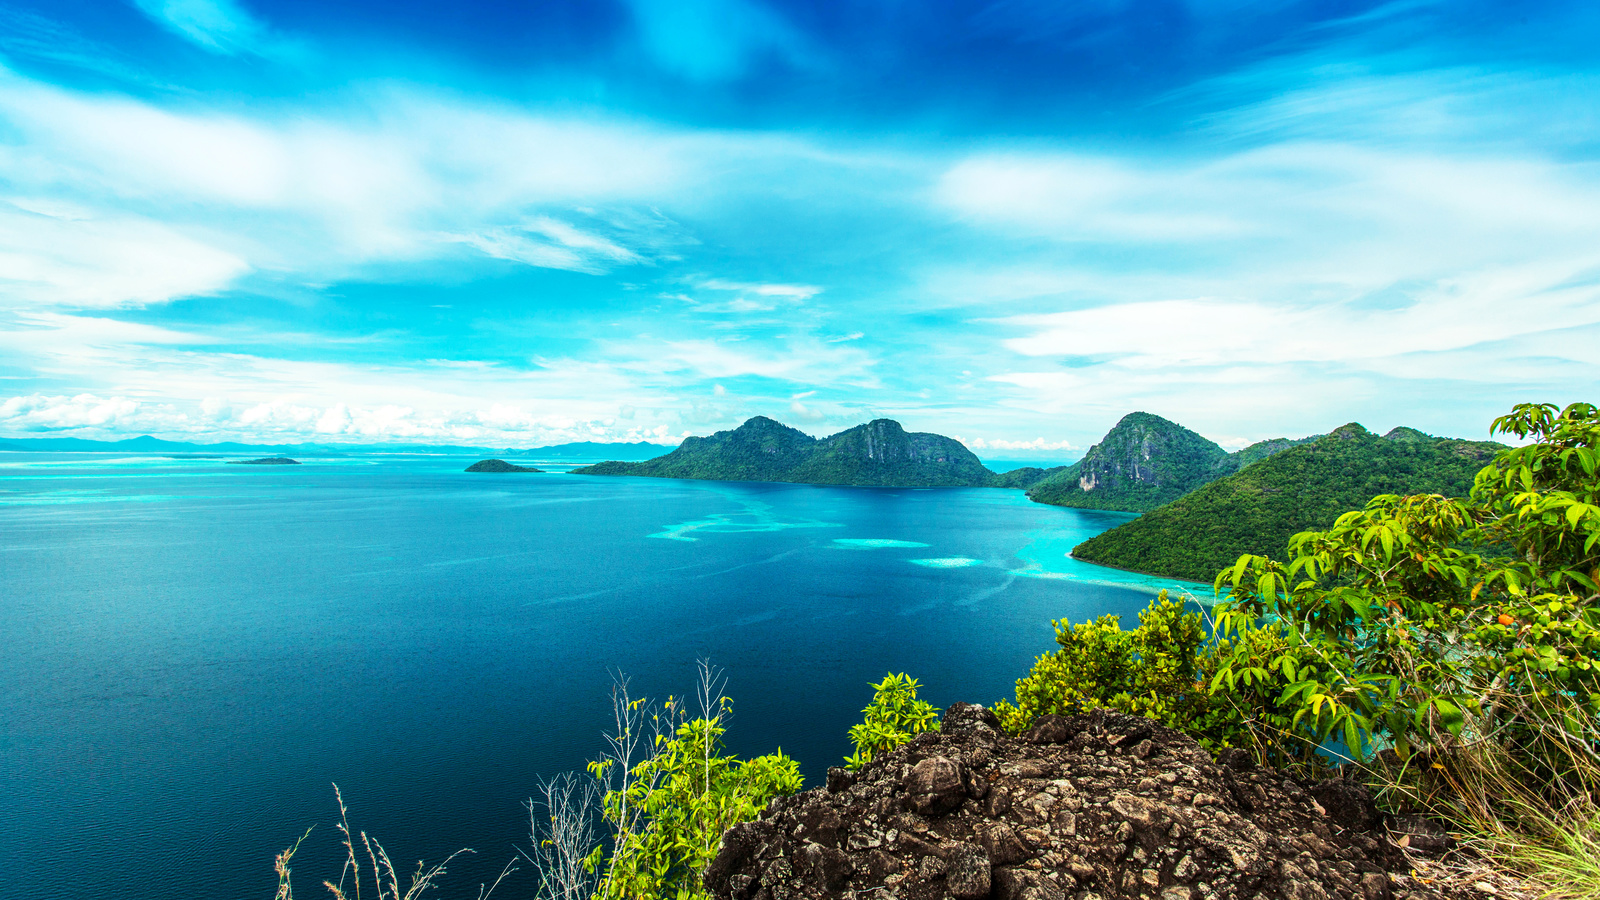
879,453
1143,462
1296,488
583,450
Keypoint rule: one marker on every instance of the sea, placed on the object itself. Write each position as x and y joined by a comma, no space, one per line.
195,653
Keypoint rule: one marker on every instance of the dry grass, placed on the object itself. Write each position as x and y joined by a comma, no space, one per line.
383,876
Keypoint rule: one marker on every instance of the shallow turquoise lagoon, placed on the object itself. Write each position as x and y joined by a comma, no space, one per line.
196,651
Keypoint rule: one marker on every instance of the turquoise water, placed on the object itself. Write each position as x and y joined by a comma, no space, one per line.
196,651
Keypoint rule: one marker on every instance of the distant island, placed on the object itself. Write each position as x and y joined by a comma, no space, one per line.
499,465
581,450
265,461
1300,487
878,454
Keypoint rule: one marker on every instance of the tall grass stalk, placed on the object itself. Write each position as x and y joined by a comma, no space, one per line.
384,876
570,806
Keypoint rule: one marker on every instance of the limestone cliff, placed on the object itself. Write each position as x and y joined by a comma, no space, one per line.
1141,463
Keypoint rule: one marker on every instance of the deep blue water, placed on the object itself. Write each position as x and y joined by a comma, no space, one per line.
194,652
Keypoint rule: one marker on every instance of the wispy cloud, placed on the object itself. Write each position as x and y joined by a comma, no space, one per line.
220,26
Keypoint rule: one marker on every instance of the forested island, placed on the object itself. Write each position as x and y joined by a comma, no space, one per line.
499,465
1258,509
878,454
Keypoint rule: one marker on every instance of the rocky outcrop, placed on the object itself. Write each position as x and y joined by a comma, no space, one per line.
1141,463
1093,807
499,465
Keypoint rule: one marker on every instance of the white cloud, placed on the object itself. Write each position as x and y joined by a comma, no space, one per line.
39,412
1000,444
220,26
806,413
783,291
550,244
799,360
52,253
315,194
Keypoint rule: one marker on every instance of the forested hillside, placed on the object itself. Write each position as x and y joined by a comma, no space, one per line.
879,453
1141,463
1260,507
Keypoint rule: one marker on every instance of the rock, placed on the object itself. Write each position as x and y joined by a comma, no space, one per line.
966,873
840,779
962,718
1101,806
935,786
1348,804
1050,729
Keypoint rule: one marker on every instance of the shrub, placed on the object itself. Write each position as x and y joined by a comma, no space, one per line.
668,811
1156,670
894,717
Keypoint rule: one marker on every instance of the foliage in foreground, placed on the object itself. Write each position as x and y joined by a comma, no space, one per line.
1153,670
667,810
894,717
1463,633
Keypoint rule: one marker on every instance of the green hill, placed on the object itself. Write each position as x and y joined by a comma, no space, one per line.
1025,477
1141,463
879,453
1260,507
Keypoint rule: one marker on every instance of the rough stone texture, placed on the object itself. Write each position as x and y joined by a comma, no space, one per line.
1094,807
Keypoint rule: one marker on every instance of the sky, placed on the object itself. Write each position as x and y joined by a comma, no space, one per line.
518,223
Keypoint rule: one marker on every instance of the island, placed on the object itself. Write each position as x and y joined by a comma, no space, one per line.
877,454
499,465
1299,488
265,461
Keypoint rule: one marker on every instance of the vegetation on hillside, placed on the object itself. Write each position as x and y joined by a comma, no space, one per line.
1024,477
1258,509
1141,463
1449,647
879,453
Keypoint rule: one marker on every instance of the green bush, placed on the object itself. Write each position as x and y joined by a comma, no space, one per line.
894,717
668,811
1156,670
1463,628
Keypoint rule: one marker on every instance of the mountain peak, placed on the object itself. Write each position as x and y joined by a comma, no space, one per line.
1349,431
1142,462
1408,435
877,453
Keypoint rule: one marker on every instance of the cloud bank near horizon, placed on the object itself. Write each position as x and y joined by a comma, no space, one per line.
244,221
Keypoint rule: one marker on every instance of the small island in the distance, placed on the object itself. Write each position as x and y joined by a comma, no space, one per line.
265,461
499,465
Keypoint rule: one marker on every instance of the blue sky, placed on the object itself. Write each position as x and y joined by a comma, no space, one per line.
519,223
